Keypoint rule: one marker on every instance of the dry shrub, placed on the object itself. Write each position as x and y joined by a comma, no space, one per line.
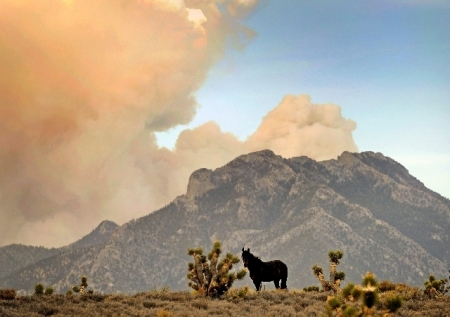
184,304
407,292
386,286
149,304
322,296
164,313
200,304
241,292
47,310
7,294
112,298
180,296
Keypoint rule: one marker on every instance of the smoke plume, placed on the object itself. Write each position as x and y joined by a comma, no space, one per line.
85,84
298,127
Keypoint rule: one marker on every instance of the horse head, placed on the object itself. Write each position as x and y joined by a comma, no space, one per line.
246,256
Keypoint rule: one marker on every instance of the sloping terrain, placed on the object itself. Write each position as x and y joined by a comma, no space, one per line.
16,257
295,210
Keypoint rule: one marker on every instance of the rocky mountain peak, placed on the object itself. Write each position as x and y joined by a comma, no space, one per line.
256,157
200,182
97,236
106,226
348,159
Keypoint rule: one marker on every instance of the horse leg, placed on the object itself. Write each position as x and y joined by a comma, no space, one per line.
283,283
257,284
284,276
277,283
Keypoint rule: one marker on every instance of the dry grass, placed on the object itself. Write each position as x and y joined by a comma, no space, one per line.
238,302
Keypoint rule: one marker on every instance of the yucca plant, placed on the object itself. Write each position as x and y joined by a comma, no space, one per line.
212,278
82,288
362,300
436,287
335,277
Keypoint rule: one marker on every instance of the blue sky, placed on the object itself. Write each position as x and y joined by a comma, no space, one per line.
385,63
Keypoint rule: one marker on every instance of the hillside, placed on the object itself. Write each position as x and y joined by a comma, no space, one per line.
365,204
16,257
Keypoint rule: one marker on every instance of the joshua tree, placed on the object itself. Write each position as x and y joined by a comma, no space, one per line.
335,277
213,278
435,287
346,303
82,288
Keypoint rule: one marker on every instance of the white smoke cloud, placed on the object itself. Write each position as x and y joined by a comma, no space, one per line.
84,86
298,127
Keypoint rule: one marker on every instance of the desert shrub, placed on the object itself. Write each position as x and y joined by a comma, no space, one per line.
164,313
334,302
268,303
48,290
393,303
386,286
201,304
347,292
241,292
408,292
149,304
312,288
7,294
47,310
96,297
39,289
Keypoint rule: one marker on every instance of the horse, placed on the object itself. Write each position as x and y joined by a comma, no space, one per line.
265,271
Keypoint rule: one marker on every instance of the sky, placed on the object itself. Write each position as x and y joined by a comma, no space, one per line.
107,107
385,63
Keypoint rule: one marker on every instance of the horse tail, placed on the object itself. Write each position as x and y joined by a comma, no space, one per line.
284,269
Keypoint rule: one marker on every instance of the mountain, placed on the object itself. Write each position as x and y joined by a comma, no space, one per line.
15,257
98,236
295,210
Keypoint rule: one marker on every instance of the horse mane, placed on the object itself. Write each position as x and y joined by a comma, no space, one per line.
254,258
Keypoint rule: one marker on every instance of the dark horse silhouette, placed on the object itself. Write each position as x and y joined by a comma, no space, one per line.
265,271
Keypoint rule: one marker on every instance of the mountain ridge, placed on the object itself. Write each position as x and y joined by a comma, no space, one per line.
366,204
15,257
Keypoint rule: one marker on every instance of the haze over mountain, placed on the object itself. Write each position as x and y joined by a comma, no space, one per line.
296,210
16,256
